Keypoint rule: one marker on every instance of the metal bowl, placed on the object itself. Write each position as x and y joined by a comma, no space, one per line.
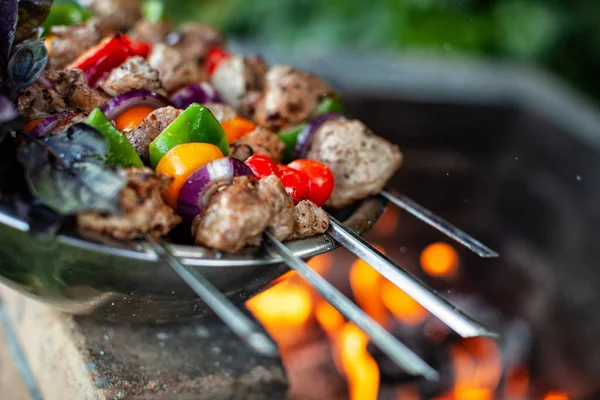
84,274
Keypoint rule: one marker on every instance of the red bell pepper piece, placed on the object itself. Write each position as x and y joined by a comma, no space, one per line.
107,55
214,57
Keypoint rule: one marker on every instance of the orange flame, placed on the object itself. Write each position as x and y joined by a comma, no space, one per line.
439,260
321,263
329,318
517,384
478,369
556,396
283,310
401,305
361,369
365,283
388,222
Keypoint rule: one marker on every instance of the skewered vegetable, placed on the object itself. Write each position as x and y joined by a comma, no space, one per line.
237,128
134,98
133,117
320,180
200,93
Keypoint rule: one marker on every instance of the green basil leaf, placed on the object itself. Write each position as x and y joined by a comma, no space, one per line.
27,64
66,174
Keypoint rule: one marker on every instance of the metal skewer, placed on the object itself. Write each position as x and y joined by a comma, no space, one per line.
440,224
397,351
239,323
428,298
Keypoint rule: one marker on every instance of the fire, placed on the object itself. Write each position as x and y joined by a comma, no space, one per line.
283,310
477,367
365,283
556,396
439,260
388,222
401,305
329,318
517,384
361,369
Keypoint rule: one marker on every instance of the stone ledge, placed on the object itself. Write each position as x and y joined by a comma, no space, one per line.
78,358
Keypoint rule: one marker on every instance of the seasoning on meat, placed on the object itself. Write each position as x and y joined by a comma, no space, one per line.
194,40
75,118
289,97
173,68
151,32
281,223
120,15
142,206
237,76
309,220
152,126
222,112
63,90
360,161
135,73
259,141
234,218
68,42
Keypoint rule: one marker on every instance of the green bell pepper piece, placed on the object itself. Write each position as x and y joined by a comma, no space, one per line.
195,124
289,137
120,152
63,14
330,104
153,11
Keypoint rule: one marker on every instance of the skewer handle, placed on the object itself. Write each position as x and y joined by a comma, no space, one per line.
397,351
428,298
440,224
239,323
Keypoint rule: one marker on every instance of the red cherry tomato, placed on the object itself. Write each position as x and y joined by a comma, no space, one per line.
213,59
320,179
262,166
295,183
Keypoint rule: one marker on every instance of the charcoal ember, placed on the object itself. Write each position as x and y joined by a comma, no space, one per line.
432,348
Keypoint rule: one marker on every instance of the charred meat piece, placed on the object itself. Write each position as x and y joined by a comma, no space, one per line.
281,223
361,162
194,40
63,90
222,112
237,76
173,68
237,215
119,15
151,32
68,42
289,97
135,73
309,220
75,118
152,126
142,206
259,141
234,218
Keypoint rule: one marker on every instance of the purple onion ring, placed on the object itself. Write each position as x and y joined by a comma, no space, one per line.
49,123
200,93
206,181
133,98
305,137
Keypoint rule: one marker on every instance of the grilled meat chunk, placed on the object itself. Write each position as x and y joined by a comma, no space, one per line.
289,97
69,42
237,76
259,141
222,112
173,68
237,215
361,162
142,206
57,92
119,15
152,126
75,118
195,39
309,220
151,32
135,73
281,223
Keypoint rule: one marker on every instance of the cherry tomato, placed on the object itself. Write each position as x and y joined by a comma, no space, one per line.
262,166
295,183
180,162
214,58
320,179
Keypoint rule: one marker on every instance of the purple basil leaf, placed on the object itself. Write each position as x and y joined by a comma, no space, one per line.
27,64
8,112
32,15
8,24
64,172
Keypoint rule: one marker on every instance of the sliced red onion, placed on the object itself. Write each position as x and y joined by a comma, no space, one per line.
133,98
202,184
305,137
200,93
49,123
